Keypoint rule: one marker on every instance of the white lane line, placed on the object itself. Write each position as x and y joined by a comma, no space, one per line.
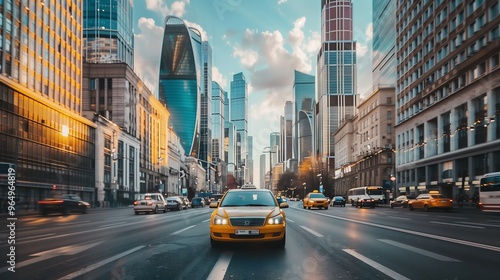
115,224
398,218
99,264
220,266
179,231
419,251
312,231
291,221
391,273
480,224
450,224
455,218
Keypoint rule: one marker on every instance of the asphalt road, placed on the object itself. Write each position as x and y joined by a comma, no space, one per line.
338,243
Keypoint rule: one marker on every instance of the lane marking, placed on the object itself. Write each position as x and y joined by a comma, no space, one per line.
99,264
412,232
220,266
389,272
451,224
312,231
480,224
419,251
291,221
184,229
398,218
112,225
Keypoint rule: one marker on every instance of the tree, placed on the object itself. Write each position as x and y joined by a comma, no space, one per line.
286,181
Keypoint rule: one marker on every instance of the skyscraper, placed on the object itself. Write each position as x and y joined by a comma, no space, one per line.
239,115
218,119
206,106
304,100
108,31
336,70
384,43
180,81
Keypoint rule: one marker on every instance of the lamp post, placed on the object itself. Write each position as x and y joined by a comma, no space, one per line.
304,184
393,179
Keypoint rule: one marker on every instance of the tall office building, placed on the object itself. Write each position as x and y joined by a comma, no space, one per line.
303,99
239,115
286,125
274,143
42,133
384,43
336,70
249,166
218,120
108,31
448,94
206,106
180,81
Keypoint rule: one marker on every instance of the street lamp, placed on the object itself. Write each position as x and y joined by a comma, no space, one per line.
393,179
304,184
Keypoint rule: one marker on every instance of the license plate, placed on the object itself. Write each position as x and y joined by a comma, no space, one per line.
246,232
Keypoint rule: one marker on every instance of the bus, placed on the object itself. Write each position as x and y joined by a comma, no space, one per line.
489,192
366,196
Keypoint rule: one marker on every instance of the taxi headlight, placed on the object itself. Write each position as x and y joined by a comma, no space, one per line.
218,220
276,220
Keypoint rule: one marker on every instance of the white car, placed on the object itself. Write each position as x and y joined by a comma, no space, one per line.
150,203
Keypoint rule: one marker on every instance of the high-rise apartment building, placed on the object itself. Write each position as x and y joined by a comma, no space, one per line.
108,31
448,94
180,81
336,71
42,134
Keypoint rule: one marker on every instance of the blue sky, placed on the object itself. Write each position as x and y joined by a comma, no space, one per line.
264,39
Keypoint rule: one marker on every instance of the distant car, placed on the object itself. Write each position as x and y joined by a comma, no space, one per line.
401,201
187,203
338,200
281,199
63,204
431,200
150,203
175,203
197,202
248,215
315,199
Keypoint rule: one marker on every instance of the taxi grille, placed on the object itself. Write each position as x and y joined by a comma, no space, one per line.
249,222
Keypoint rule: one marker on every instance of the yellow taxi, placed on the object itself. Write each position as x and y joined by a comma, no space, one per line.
431,200
315,199
248,215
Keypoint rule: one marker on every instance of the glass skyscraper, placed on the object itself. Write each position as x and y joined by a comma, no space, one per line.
303,94
384,43
239,115
180,81
336,70
108,31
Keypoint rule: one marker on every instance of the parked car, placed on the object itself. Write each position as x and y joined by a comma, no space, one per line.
186,203
431,200
315,199
150,203
338,200
248,215
175,203
401,201
63,204
197,202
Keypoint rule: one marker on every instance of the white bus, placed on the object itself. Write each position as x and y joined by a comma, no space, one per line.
489,192
366,196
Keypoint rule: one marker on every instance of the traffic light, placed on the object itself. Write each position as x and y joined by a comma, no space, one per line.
54,187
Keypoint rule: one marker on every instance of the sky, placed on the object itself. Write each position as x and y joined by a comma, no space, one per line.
265,39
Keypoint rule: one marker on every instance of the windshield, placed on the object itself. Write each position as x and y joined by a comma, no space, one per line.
248,199
317,195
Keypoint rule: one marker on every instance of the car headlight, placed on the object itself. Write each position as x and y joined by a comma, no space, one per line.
276,220
218,220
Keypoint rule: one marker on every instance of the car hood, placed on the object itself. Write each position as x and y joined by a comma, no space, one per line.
248,211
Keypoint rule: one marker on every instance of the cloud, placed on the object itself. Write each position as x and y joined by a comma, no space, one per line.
369,32
148,43
281,1
219,78
178,8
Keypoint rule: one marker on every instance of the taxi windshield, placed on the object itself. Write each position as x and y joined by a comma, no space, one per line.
317,195
234,199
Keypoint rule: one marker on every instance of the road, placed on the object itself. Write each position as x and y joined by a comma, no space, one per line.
338,243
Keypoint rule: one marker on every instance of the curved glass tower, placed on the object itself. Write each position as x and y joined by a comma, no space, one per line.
179,84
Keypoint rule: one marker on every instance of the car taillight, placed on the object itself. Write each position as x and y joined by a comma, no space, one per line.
135,202
150,203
